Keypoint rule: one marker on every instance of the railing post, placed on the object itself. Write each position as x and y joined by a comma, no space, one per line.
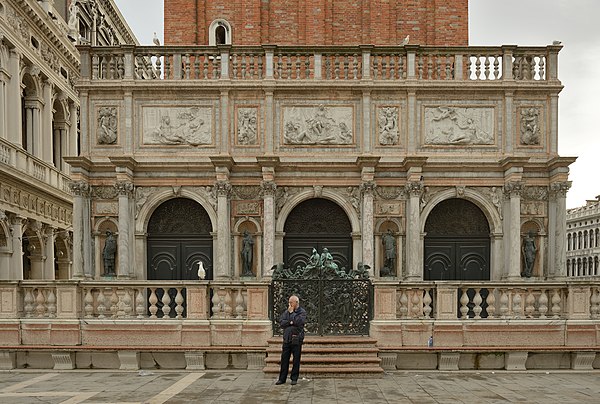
366,61
318,66
385,301
128,61
411,57
446,302
458,66
85,61
177,66
225,51
552,62
197,302
269,52
507,61
68,301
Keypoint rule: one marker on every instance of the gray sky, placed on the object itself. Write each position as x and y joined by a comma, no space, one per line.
510,22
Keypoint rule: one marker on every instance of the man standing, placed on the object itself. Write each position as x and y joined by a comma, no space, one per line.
292,321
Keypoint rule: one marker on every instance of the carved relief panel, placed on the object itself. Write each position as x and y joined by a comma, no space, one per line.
530,125
179,126
246,126
388,126
107,124
457,125
319,125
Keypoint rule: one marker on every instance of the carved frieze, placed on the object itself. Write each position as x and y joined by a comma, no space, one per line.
223,188
387,120
106,130
246,191
320,125
105,208
247,208
268,188
125,188
103,192
247,126
390,192
533,208
177,125
389,208
33,203
530,126
447,125
513,188
535,193
282,195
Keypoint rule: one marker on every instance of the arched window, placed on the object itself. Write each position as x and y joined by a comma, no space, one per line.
585,239
569,242
219,33
569,268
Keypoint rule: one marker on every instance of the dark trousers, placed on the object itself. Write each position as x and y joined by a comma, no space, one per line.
286,351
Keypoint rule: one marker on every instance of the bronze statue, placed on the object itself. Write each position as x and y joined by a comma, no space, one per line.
529,252
389,244
108,254
247,249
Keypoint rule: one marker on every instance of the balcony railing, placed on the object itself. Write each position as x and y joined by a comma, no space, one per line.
343,63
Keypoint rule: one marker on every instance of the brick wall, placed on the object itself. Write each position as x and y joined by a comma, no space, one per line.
320,22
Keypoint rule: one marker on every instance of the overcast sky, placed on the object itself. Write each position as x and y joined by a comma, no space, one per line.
510,22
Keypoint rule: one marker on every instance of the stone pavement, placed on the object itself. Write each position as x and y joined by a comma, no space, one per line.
89,387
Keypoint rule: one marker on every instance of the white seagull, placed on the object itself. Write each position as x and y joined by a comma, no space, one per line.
201,271
405,40
156,40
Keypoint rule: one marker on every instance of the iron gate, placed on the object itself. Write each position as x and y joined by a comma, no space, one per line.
333,306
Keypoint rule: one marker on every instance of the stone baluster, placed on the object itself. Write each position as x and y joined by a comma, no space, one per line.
179,304
88,304
503,303
153,299
556,300
28,303
464,301
543,303
517,306
251,67
40,299
227,304
166,301
101,299
114,303
491,303
51,303
416,310
427,303
403,299
139,303
477,300
529,304
127,303
239,304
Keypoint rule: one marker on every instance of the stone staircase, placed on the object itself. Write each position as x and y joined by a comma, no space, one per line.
339,356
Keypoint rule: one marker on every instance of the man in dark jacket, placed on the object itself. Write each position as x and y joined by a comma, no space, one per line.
292,321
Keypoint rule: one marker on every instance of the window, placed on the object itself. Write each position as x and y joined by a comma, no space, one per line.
219,33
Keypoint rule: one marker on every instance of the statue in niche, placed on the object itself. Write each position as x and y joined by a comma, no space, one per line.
388,126
530,129
73,20
247,250
448,125
389,245
107,125
529,252
247,126
108,254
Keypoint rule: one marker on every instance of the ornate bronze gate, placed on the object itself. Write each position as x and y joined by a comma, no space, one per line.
336,302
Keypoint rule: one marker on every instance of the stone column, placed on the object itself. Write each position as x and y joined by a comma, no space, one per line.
16,266
46,136
48,245
512,221
414,189
557,229
367,190
366,122
269,188
13,98
223,261
125,192
72,135
269,108
4,80
81,228
128,136
508,127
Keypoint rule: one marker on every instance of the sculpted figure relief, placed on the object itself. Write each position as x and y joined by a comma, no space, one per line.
178,126
530,128
529,253
247,250
247,126
388,126
320,125
450,125
107,125
108,254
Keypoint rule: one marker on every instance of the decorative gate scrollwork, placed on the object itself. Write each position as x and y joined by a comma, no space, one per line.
336,303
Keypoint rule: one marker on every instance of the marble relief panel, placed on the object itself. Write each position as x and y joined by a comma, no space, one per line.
388,125
185,125
453,125
107,123
318,125
247,126
531,126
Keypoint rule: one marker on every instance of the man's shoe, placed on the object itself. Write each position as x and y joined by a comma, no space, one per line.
278,382
294,382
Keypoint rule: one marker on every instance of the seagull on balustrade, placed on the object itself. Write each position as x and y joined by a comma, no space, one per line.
556,42
201,271
405,40
155,40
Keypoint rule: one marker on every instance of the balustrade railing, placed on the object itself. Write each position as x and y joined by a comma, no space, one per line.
413,62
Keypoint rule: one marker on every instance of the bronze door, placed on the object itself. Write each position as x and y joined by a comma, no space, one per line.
457,259
176,258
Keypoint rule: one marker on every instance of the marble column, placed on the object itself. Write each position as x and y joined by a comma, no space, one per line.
81,228
513,190
71,142
48,271
367,190
125,192
414,267
45,131
16,266
557,229
13,98
223,253
4,80
269,188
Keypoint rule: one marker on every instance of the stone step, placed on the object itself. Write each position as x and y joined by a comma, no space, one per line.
326,361
314,371
307,349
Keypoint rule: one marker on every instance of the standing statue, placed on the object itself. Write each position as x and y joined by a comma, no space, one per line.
108,254
529,251
247,248
389,244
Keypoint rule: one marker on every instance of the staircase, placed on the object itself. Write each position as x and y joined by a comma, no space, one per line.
339,356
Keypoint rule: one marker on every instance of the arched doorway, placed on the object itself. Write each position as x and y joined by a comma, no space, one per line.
178,238
457,242
317,223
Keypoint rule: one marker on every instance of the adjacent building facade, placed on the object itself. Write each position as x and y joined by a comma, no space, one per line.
267,130
583,239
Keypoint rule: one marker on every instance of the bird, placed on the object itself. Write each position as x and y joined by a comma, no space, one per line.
156,40
201,271
556,42
405,40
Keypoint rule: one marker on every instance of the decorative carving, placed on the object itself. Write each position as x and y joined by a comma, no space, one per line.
223,188
141,196
530,126
513,188
424,199
247,126
496,196
460,191
318,125
353,196
368,187
388,126
178,126
246,192
318,190
389,245
451,125
107,125
535,193
560,189
80,188
125,188
282,195
104,192
533,208
414,188
389,192
389,209
268,188
247,208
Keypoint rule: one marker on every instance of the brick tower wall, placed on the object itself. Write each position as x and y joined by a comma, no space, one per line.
320,22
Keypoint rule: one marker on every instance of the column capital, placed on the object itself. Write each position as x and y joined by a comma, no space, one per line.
560,189
125,188
514,188
414,188
268,188
223,188
80,188
368,187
